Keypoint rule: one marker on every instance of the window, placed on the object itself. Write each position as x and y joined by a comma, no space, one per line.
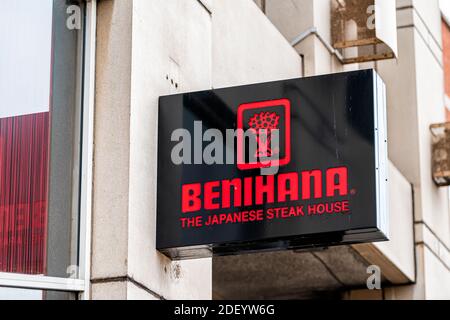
29,294
45,145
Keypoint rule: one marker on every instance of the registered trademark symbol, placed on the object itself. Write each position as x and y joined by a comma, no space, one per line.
353,192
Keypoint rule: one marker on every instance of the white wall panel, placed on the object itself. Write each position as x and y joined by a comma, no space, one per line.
25,56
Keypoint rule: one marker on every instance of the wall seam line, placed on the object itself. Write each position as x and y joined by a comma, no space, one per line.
127,278
433,253
433,233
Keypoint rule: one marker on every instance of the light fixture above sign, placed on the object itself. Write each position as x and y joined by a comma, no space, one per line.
441,153
364,30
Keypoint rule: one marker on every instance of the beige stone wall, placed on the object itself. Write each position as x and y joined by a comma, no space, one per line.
112,147
151,48
147,49
415,100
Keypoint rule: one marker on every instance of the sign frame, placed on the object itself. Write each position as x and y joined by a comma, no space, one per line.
211,105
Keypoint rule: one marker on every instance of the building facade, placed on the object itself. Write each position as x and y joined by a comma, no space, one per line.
79,89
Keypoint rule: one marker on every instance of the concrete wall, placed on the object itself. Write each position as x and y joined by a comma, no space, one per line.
396,256
142,46
446,63
295,17
415,100
420,104
150,48
247,48
147,49
112,149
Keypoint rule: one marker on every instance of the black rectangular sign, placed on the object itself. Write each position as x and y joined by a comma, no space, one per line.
279,165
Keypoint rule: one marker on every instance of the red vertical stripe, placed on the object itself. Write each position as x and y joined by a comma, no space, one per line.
24,157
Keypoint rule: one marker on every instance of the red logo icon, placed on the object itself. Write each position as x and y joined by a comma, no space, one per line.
262,125
262,118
